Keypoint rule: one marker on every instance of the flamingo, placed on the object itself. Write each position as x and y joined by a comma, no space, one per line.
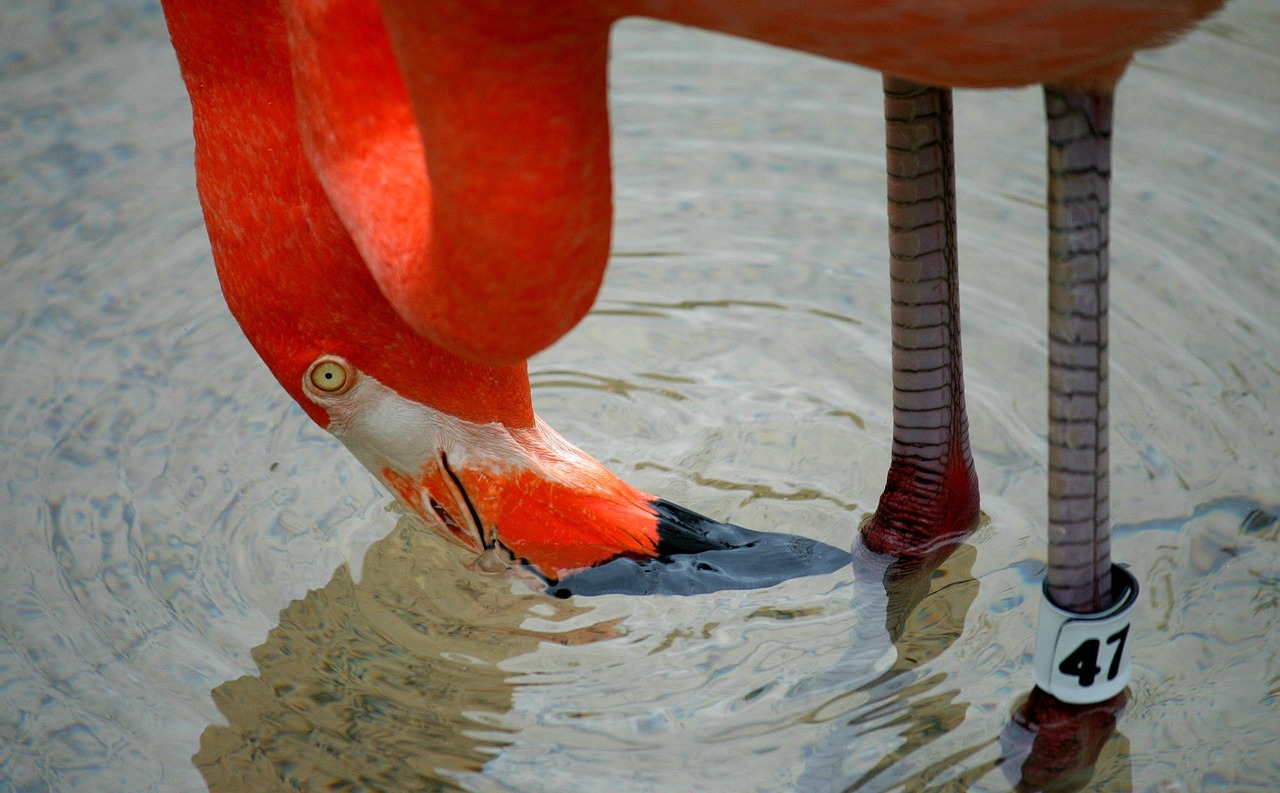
406,200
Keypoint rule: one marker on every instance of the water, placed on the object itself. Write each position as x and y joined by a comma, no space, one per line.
190,568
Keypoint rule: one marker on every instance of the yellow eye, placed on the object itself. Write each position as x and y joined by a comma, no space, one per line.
331,375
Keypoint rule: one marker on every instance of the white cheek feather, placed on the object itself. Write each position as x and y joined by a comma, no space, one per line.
385,430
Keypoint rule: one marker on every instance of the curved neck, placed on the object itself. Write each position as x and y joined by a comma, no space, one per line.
290,272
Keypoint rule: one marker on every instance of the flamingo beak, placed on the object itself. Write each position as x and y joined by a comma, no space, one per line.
524,498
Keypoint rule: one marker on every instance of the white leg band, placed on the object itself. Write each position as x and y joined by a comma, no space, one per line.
1084,658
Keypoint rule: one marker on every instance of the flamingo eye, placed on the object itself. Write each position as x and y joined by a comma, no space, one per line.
331,375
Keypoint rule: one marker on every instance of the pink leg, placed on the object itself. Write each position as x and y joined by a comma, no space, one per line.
1050,744
931,495
1079,126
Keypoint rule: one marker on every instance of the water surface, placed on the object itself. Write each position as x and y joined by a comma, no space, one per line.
190,568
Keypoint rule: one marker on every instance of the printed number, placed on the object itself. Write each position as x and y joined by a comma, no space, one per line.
1117,639
1083,661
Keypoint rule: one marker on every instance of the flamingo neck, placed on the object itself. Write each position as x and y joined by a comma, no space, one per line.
289,270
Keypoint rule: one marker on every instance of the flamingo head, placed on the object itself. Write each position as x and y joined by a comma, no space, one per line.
455,440
517,494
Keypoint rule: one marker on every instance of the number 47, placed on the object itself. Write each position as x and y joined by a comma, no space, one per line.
1083,661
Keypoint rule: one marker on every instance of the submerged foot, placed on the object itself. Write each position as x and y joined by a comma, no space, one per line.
924,512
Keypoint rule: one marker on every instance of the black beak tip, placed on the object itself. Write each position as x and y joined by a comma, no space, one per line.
697,555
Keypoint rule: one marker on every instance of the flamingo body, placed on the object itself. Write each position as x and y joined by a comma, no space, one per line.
418,197
511,197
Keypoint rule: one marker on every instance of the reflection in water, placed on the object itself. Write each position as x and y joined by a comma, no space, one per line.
1055,747
404,681
392,683
918,607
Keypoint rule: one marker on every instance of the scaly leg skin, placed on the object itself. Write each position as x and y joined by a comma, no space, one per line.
1048,744
930,501
1079,125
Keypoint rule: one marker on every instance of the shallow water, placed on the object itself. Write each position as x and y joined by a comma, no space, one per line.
190,567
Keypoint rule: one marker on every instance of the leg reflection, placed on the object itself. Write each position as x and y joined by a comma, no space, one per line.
910,610
1053,746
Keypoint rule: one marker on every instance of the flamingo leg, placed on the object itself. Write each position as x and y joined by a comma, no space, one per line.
1079,132
931,493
